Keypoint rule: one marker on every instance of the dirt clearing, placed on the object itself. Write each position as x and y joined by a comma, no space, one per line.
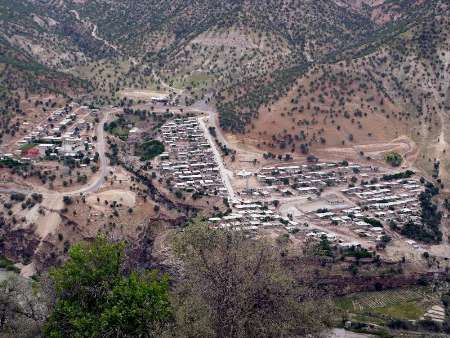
126,198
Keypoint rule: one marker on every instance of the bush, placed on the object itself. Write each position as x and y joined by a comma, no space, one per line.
428,230
397,176
429,325
398,324
373,222
67,200
17,196
37,197
394,159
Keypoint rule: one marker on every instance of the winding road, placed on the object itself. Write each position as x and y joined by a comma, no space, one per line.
94,31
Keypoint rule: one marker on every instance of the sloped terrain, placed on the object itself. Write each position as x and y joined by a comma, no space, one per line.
195,43
21,76
32,52
240,104
400,89
292,75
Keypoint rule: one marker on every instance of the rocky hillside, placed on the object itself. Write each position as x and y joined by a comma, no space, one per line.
216,41
32,53
397,88
266,59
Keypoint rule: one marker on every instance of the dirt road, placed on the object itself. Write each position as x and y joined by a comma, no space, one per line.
103,161
94,31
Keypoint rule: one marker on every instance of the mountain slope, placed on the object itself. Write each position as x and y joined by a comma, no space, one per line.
219,42
400,88
240,104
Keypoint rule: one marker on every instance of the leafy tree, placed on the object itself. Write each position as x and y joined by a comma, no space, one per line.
95,298
150,149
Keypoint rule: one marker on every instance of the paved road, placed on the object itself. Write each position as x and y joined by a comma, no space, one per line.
224,173
204,107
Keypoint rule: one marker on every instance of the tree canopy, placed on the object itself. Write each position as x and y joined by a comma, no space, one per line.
95,297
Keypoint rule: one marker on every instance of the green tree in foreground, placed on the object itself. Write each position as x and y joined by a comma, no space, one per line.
233,286
95,298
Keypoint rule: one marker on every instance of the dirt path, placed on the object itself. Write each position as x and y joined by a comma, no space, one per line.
166,85
48,223
341,333
94,31
402,144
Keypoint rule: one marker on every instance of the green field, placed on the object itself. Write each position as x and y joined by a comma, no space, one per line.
380,307
195,80
406,311
27,146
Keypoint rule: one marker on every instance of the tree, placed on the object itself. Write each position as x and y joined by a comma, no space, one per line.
394,159
237,287
95,297
67,200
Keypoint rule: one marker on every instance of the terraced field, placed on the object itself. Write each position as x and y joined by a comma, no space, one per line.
407,303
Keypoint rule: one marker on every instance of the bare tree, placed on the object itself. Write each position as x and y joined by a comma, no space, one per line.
233,286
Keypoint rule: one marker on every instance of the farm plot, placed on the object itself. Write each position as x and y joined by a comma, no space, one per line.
372,300
406,303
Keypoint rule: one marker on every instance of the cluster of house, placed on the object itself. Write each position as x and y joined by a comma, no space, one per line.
394,200
306,179
58,137
316,235
188,163
251,216
378,205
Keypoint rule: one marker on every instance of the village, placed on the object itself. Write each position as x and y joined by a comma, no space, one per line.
67,134
362,199
189,164
349,204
